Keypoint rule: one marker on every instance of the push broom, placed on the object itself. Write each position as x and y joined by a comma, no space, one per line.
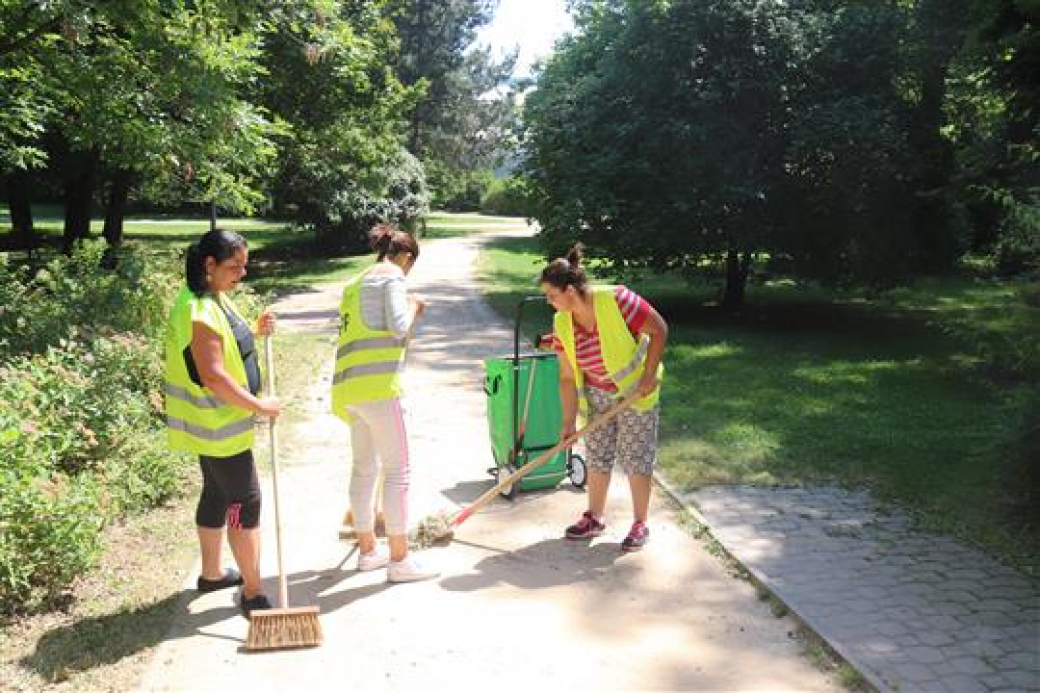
284,627
441,527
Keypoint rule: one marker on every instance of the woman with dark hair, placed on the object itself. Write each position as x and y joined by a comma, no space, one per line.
599,336
212,388
376,319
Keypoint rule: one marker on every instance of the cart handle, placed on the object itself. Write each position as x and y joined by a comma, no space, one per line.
516,325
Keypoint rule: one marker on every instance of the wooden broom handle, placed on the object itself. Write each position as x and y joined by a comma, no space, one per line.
283,589
534,464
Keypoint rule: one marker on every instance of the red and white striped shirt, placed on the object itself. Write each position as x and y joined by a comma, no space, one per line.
634,309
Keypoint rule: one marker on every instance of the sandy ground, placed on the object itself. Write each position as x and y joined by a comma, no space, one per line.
517,607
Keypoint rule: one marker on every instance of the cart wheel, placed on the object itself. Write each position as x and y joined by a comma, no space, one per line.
576,470
508,492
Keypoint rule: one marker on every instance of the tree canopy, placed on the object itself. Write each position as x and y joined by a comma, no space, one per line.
850,142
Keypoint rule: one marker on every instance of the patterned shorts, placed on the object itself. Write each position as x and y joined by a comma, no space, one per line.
630,439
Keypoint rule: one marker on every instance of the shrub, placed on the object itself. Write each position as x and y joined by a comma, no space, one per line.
1018,250
509,197
72,294
394,193
81,436
49,533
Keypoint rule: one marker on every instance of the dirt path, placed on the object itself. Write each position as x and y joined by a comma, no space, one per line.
517,607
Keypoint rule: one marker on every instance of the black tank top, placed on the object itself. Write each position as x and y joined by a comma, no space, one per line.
246,348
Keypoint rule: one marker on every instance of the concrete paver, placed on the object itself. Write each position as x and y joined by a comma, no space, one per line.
911,611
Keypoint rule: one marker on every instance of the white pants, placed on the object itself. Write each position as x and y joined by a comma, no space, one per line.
379,443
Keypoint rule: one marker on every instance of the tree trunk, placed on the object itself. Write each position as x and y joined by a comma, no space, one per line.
19,199
737,270
415,140
118,192
941,26
79,197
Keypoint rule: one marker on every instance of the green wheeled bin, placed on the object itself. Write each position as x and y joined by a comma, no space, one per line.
525,416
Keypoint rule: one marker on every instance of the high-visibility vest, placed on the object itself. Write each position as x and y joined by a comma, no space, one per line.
197,420
623,356
368,362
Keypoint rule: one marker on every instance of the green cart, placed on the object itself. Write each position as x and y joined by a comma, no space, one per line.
524,417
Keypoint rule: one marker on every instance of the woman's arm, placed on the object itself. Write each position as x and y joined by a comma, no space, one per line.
208,352
568,397
657,330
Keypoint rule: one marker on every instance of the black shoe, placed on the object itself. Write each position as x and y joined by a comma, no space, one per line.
231,579
257,603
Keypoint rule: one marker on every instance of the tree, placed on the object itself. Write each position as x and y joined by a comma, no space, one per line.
155,92
844,204
142,90
327,79
997,104
26,102
459,124
656,133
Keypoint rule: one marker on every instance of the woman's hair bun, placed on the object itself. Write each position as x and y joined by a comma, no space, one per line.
575,254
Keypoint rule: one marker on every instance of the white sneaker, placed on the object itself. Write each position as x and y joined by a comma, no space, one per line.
409,570
375,560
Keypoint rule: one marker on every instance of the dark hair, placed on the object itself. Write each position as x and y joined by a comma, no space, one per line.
217,244
567,271
388,241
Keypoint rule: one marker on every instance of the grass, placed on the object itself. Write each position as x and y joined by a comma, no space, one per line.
915,395
283,258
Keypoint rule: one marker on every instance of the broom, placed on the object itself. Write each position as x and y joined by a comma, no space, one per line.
441,526
284,627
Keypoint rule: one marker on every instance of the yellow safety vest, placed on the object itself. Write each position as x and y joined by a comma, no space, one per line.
368,362
623,356
196,419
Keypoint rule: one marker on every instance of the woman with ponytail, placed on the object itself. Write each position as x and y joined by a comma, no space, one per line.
610,342
212,396
377,317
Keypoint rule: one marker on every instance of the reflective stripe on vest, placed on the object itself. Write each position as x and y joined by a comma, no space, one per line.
211,434
635,364
370,343
200,401
381,368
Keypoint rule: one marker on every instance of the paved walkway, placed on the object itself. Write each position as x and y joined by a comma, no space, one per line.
517,607
911,611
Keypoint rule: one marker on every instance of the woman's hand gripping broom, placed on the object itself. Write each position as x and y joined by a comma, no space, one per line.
283,627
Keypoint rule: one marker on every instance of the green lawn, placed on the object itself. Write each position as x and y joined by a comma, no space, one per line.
282,258
901,394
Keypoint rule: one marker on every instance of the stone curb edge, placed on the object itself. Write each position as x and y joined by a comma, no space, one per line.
759,581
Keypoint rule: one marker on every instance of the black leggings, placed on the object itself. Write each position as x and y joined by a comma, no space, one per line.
230,492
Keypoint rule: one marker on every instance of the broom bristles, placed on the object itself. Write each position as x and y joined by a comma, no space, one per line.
433,529
273,629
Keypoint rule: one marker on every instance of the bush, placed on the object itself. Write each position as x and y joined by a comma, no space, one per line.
1018,250
38,307
50,532
458,191
395,193
81,434
508,197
